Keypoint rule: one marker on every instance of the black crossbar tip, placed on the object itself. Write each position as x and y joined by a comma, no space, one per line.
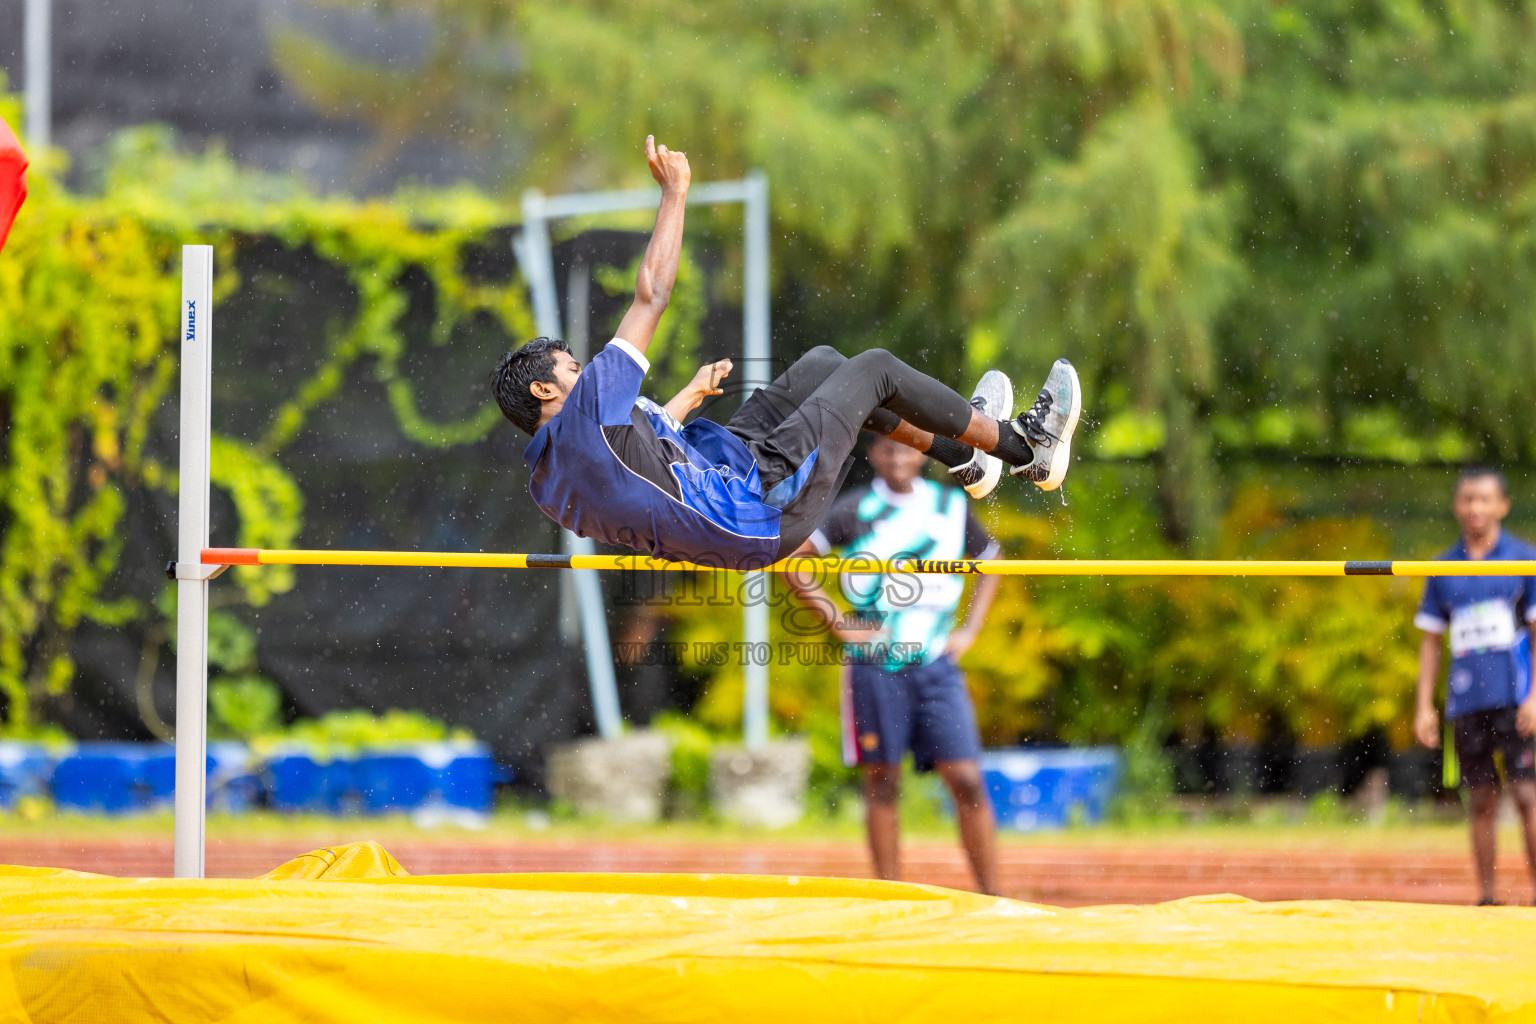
549,561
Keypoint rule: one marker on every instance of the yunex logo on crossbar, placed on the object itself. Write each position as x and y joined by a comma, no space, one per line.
968,565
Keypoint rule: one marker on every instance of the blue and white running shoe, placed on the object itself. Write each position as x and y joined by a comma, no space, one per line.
993,398
1048,426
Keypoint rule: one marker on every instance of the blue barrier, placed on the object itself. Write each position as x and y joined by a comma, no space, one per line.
467,782
298,782
1037,789
233,785
391,781
126,778
115,778
26,769
452,775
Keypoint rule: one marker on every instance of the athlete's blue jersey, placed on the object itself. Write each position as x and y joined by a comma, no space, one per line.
717,515
1484,617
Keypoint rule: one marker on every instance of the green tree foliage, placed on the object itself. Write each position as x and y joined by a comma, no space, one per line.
1235,216
1124,252
1388,149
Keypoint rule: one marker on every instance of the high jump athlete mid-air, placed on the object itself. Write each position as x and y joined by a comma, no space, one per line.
611,465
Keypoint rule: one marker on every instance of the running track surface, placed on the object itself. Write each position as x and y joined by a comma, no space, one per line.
1059,875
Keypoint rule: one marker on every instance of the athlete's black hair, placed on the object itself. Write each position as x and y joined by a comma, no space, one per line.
534,361
1482,472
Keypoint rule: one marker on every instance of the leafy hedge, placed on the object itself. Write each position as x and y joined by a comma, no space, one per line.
89,289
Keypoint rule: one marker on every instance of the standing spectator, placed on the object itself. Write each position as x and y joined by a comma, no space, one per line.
907,693
1483,616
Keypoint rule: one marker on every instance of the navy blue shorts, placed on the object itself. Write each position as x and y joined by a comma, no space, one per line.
922,708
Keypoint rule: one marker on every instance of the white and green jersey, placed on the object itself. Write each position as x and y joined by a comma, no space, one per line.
928,521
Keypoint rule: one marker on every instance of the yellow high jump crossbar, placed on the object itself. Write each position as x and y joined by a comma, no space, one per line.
965,566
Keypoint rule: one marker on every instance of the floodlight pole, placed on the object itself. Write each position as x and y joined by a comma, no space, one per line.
191,576
532,246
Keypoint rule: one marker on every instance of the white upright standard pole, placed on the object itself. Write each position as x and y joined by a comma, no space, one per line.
191,577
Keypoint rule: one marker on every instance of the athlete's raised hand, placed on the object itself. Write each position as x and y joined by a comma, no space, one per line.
670,169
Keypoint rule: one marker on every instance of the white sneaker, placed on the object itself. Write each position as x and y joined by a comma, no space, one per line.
993,398
1048,426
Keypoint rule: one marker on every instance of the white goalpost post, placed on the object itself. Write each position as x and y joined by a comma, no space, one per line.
191,576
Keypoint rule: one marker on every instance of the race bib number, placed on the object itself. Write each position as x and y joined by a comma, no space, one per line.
1485,626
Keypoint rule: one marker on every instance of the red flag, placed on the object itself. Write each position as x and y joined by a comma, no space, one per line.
13,179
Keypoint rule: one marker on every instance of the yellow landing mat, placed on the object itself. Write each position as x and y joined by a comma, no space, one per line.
345,935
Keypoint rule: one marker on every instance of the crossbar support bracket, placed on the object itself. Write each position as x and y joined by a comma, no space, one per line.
192,571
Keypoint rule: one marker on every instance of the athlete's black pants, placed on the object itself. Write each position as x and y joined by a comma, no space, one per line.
817,407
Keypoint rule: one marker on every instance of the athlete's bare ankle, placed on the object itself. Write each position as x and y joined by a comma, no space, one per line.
982,432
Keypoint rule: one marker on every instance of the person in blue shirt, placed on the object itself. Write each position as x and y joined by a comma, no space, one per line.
904,690
608,464
1482,616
